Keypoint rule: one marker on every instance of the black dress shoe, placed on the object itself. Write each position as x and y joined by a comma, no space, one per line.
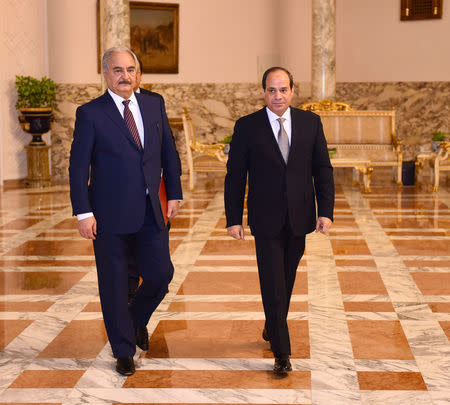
125,366
282,366
265,335
141,337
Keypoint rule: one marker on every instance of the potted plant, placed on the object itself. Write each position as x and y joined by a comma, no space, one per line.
436,138
332,152
36,100
226,141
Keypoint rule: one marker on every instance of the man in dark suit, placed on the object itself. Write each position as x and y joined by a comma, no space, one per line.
283,152
121,143
133,273
137,82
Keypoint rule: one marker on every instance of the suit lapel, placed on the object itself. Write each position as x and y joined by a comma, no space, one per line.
298,133
113,113
295,133
267,131
151,129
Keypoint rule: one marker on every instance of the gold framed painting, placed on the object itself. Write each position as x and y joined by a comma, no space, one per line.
154,35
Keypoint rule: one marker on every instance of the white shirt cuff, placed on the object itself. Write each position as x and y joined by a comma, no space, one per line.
84,216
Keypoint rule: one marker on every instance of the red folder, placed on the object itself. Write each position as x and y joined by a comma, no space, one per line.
163,199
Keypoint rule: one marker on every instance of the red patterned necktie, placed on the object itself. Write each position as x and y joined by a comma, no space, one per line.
131,124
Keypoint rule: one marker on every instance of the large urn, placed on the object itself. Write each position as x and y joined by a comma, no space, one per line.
37,121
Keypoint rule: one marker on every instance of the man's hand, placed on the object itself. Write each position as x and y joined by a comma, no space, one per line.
172,208
323,225
236,232
88,228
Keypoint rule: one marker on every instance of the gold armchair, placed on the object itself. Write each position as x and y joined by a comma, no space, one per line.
441,162
438,161
201,157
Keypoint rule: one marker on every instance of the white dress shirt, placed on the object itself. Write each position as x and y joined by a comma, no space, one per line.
276,124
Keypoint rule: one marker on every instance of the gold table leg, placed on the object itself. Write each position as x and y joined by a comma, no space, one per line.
366,172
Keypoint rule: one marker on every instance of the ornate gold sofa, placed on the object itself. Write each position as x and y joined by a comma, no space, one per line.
201,157
363,139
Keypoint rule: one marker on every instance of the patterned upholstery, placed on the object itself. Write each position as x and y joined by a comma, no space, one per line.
201,157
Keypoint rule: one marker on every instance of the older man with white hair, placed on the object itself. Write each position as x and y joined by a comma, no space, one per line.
121,142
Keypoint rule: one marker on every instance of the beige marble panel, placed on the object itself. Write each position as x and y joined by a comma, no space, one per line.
422,107
214,108
69,97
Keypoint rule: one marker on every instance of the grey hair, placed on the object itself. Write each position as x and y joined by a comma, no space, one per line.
116,49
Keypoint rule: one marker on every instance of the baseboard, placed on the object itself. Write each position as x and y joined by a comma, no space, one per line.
13,184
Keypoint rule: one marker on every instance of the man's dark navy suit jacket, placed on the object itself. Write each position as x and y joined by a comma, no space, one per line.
105,155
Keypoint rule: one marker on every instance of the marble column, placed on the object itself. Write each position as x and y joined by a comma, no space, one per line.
114,25
323,78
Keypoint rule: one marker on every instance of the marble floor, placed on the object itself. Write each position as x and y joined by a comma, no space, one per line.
369,319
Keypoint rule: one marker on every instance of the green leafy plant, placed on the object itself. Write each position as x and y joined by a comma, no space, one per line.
438,136
34,93
227,139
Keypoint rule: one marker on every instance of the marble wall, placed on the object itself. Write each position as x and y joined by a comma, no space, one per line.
422,107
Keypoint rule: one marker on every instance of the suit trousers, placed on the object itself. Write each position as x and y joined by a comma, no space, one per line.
133,272
150,247
278,258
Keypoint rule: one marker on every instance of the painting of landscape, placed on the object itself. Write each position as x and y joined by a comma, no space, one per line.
154,35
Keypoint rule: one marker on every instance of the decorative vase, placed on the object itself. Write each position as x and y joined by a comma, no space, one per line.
36,121
435,146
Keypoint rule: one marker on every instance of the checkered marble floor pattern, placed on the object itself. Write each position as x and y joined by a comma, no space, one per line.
369,319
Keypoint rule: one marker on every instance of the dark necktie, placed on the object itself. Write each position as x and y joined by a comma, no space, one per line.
131,124
283,140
